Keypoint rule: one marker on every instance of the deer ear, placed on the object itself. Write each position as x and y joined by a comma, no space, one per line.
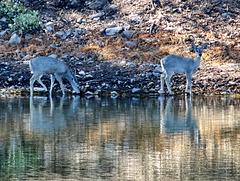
204,46
194,47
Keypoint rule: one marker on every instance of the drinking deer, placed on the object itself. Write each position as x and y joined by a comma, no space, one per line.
181,65
57,68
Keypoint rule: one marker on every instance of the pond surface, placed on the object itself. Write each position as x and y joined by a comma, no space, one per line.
165,138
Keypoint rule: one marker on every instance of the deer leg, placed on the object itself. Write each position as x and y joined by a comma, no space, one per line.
163,76
168,79
39,80
189,84
32,80
59,79
52,83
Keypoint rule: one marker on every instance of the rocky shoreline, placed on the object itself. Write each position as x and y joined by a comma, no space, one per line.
104,78
117,53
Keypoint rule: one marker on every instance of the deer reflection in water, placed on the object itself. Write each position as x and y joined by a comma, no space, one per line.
48,114
157,137
172,119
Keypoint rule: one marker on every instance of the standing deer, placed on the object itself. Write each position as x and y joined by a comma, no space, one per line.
58,69
181,65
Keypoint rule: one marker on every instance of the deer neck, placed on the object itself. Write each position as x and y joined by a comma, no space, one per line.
197,60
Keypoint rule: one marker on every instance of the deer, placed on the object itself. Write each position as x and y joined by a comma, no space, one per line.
177,64
56,68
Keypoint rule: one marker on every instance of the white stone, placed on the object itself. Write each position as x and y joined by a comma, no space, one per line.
113,31
14,39
49,26
136,90
10,79
89,93
82,73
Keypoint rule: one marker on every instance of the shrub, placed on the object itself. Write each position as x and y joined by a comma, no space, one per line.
19,18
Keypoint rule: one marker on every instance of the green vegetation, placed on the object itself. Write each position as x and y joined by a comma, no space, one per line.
19,18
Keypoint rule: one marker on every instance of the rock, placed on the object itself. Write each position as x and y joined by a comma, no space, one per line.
136,90
61,34
127,34
10,79
102,31
123,62
81,73
149,74
80,20
69,32
49,26
158,69
89,93
127,27
14,39
110,25
97,4
150,85
136,19
2,33
114,94
28,37
111,8
152,90
79,31
52,45
88,77
226,15
130,43
113,31
156,74
130,64
97,15
74,3
66,56
39,39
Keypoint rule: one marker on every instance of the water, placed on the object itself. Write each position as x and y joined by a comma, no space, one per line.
120,139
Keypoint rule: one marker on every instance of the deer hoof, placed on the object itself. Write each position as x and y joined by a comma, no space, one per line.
161,92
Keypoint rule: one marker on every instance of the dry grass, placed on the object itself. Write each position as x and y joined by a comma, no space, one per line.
150,48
